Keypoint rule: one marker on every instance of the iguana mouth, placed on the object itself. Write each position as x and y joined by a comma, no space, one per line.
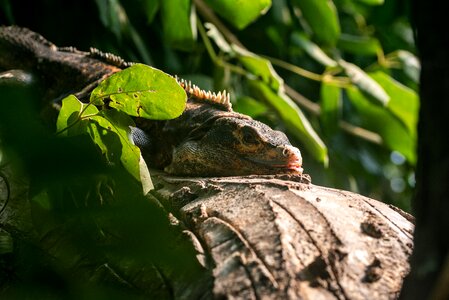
292,161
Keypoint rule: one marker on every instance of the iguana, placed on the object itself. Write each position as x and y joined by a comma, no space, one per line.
208,139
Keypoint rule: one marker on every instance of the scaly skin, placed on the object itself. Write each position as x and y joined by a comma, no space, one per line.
208,139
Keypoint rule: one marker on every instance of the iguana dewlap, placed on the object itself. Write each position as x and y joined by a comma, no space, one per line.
208,139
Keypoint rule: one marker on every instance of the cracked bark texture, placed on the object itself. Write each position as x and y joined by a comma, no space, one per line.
267,237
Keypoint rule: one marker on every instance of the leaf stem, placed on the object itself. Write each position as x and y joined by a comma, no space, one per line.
78,118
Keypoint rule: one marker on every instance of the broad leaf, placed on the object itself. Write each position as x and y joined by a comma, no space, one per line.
259,67
109,130
312,49
331,102
178,23
322,17
71,116
240,13
368,86
121,149
249,106
376,118
294,119
362,45
142,91
404,103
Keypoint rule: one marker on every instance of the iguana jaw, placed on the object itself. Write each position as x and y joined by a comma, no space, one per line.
291,160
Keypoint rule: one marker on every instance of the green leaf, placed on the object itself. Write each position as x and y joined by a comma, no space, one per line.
250,106
292,116
370,88
376,118
122,149
109,130
259,67
361,45
371,2
151,8
331,103
240,13
312,49
322,17
404,103
70,119
178,23
142,91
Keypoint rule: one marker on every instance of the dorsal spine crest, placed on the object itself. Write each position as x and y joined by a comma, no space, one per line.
109,58
222,99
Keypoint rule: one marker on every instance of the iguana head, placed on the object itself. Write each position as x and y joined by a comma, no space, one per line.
234,144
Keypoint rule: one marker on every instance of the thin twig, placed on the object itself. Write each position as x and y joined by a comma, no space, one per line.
361,132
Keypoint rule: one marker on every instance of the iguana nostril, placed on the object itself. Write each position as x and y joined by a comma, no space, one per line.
285,152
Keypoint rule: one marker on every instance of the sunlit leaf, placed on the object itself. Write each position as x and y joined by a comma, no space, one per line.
142,91
368,86
293,118
322,17
178,23
312,49
362,45
123,148
259,67
404,103
109,130
239,13
378,119
113,16
71,116
330,104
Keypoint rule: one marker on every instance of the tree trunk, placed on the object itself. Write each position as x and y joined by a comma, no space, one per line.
271,237
429,277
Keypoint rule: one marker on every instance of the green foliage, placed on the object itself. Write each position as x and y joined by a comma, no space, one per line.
178,23
142,91
351,63
240,13
322,17
139,91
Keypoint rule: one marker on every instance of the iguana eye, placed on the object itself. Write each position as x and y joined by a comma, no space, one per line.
249,136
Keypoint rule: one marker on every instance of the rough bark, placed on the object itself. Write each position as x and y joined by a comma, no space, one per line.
262,237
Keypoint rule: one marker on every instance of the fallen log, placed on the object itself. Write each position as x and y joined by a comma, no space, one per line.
255,237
